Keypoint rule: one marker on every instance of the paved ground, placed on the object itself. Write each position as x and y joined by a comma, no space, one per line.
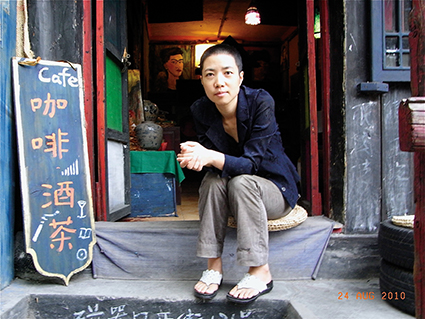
315,299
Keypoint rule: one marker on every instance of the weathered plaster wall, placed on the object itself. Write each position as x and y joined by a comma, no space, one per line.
55,29
397,166
378,177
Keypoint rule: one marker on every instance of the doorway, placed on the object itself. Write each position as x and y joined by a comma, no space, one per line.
279,66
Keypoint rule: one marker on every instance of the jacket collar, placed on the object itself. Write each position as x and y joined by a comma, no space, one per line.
212,118
242,110
210,114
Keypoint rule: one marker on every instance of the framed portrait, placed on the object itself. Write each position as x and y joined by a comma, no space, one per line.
168,63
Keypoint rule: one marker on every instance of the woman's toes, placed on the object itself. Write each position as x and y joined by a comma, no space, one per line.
248,293
200,287
242,293
212,288
203,288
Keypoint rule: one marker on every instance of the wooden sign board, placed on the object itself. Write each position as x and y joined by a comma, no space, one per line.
54,167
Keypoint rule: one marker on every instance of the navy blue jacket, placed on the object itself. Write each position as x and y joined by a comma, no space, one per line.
259,151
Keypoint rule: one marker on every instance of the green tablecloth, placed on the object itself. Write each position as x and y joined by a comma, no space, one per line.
156,162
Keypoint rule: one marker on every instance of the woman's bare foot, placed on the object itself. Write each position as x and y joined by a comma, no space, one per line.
213,264
262,273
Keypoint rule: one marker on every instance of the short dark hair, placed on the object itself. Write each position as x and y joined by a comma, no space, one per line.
222,49
167,52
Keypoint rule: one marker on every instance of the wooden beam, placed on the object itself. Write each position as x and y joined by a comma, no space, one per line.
101,186
419,233
326,102
316,201
417,52
88,89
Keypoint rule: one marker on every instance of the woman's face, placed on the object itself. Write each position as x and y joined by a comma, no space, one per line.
174,65
221,79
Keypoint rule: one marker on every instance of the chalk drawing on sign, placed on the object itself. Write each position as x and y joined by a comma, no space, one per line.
81,203
40,226
71,169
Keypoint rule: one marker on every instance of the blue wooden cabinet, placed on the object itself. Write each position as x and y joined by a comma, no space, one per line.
153,195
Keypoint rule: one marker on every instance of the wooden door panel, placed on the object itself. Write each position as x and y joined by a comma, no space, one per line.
113,131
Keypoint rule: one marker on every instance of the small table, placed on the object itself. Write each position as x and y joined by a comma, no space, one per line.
150,177
156,162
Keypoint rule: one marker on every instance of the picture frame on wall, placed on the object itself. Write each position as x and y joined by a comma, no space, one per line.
167,64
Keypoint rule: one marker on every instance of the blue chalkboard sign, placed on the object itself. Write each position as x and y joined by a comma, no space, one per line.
54,167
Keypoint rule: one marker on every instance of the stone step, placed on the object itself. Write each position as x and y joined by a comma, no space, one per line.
167,251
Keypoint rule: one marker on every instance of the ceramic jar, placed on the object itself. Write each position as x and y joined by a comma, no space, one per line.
149,134
151,111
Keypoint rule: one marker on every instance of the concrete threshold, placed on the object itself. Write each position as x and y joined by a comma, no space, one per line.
314,299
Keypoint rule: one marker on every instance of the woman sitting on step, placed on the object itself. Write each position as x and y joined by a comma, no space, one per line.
248,174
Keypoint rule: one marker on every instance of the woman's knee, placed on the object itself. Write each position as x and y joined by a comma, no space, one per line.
241,184
212,182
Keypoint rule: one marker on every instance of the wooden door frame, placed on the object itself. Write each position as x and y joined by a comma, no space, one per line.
101,133
88,97
417,75
101,183
98,164
313,150
95,97
326,101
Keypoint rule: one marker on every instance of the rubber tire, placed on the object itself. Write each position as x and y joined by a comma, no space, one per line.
395,281
396,245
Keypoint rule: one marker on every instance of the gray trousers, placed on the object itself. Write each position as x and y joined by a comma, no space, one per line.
252,200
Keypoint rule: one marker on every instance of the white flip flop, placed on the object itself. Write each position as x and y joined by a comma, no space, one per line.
251,282
209,277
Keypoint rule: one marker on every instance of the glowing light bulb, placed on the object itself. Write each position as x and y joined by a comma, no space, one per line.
252,16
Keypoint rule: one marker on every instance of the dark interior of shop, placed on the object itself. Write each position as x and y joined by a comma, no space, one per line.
269,50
